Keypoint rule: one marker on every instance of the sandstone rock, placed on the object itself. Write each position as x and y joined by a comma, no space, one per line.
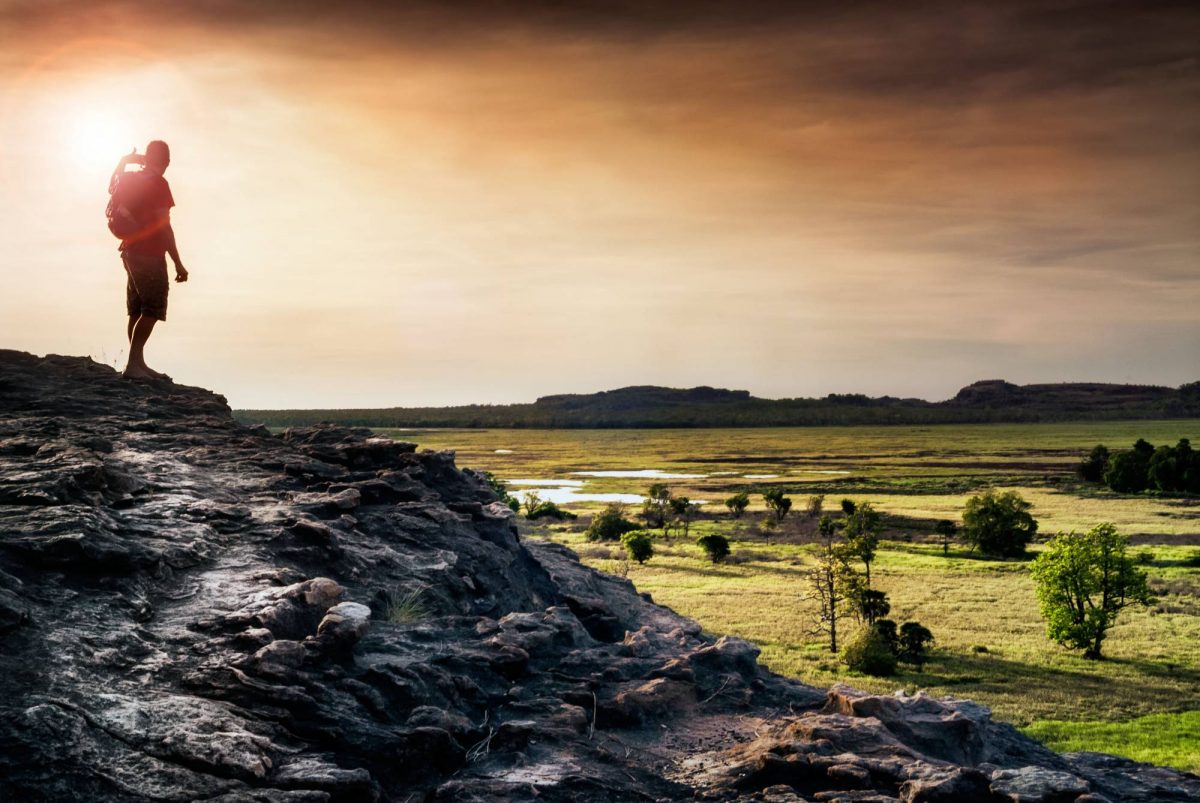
1037,785
344,625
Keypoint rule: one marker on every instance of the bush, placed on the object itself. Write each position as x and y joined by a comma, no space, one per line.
638,546
609,524
549,510
501,491
848,507
913,644
777,503
999,524
737,504
716,547
869,653
815,504
1092,467
872,605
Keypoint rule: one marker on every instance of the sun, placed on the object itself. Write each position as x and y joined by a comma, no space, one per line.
98,138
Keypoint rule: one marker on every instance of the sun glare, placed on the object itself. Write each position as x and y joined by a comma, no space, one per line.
99,138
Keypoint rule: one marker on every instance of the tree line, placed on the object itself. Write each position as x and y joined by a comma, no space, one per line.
1145,467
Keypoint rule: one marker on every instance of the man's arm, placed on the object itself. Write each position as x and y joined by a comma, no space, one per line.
168,234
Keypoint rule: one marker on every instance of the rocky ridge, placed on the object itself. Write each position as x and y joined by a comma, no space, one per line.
196,610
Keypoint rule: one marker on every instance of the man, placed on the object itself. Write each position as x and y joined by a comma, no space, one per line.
145,197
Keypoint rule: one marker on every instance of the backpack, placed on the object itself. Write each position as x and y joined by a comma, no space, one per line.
121,221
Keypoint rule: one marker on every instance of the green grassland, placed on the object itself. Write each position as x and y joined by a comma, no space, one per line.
991,646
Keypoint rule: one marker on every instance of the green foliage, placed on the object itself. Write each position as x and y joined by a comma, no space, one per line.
549,510
946,529
913,644
816,503
777,503
638,546
871,605
861,530
501,491
683,510
998,524
654,508
1083,582
848,507
1170,469
1092,467
1127,472
869,653
609,524
738,503
716,547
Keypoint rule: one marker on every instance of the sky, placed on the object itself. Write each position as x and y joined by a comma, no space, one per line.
491,201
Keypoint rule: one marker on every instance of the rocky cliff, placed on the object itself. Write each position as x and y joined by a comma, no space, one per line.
195,610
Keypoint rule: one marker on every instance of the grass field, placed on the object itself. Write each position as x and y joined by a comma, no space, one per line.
991,646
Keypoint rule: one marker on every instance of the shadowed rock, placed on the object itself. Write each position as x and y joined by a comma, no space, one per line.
193,609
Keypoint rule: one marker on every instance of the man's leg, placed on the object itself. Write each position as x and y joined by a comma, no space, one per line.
133,319
136,367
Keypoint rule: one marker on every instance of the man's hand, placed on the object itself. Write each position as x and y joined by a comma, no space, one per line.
181,273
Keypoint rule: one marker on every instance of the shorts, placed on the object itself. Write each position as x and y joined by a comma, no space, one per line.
146,291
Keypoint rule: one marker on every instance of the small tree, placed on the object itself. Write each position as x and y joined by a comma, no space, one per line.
1092,467
946,529
532,503
833,583
737,504
1127,472
871,605
654,508
638,546
1083,582
848,507
912,646
716,547
777,503
683,510
815,503
998,524
609,524
861,529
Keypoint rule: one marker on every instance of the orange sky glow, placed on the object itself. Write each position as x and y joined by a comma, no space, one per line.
489,202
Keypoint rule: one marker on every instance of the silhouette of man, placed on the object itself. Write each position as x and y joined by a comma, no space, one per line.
146,198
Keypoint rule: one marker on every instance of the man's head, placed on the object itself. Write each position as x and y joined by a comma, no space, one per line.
158,156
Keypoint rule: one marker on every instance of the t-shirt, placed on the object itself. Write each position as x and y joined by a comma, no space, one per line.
144,194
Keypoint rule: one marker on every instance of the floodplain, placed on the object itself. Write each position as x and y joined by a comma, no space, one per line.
1141,700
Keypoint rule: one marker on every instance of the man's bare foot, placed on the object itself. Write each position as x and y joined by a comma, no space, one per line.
139,372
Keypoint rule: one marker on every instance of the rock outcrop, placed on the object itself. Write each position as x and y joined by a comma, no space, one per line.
196,610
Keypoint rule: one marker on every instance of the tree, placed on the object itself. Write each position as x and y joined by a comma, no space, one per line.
912,646
1083,582
638,546
654,508
832,582
1127,471
815,503
683,510
609,524
1092,467
946,529
777,503
861,529
715,546
737,504
998,524
532,503
870,605
848,507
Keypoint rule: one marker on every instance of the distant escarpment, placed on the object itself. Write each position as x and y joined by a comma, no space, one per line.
196,610
647,406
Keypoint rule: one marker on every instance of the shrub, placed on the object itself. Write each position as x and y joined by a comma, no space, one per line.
737,504
848,507
998,524
1092,467
913,644
716,547
869,653
609,524
1127,472
777,503
815,504
638,546
406,609
871,604
549,510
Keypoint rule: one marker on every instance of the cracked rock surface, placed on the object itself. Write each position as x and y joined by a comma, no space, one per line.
196,610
